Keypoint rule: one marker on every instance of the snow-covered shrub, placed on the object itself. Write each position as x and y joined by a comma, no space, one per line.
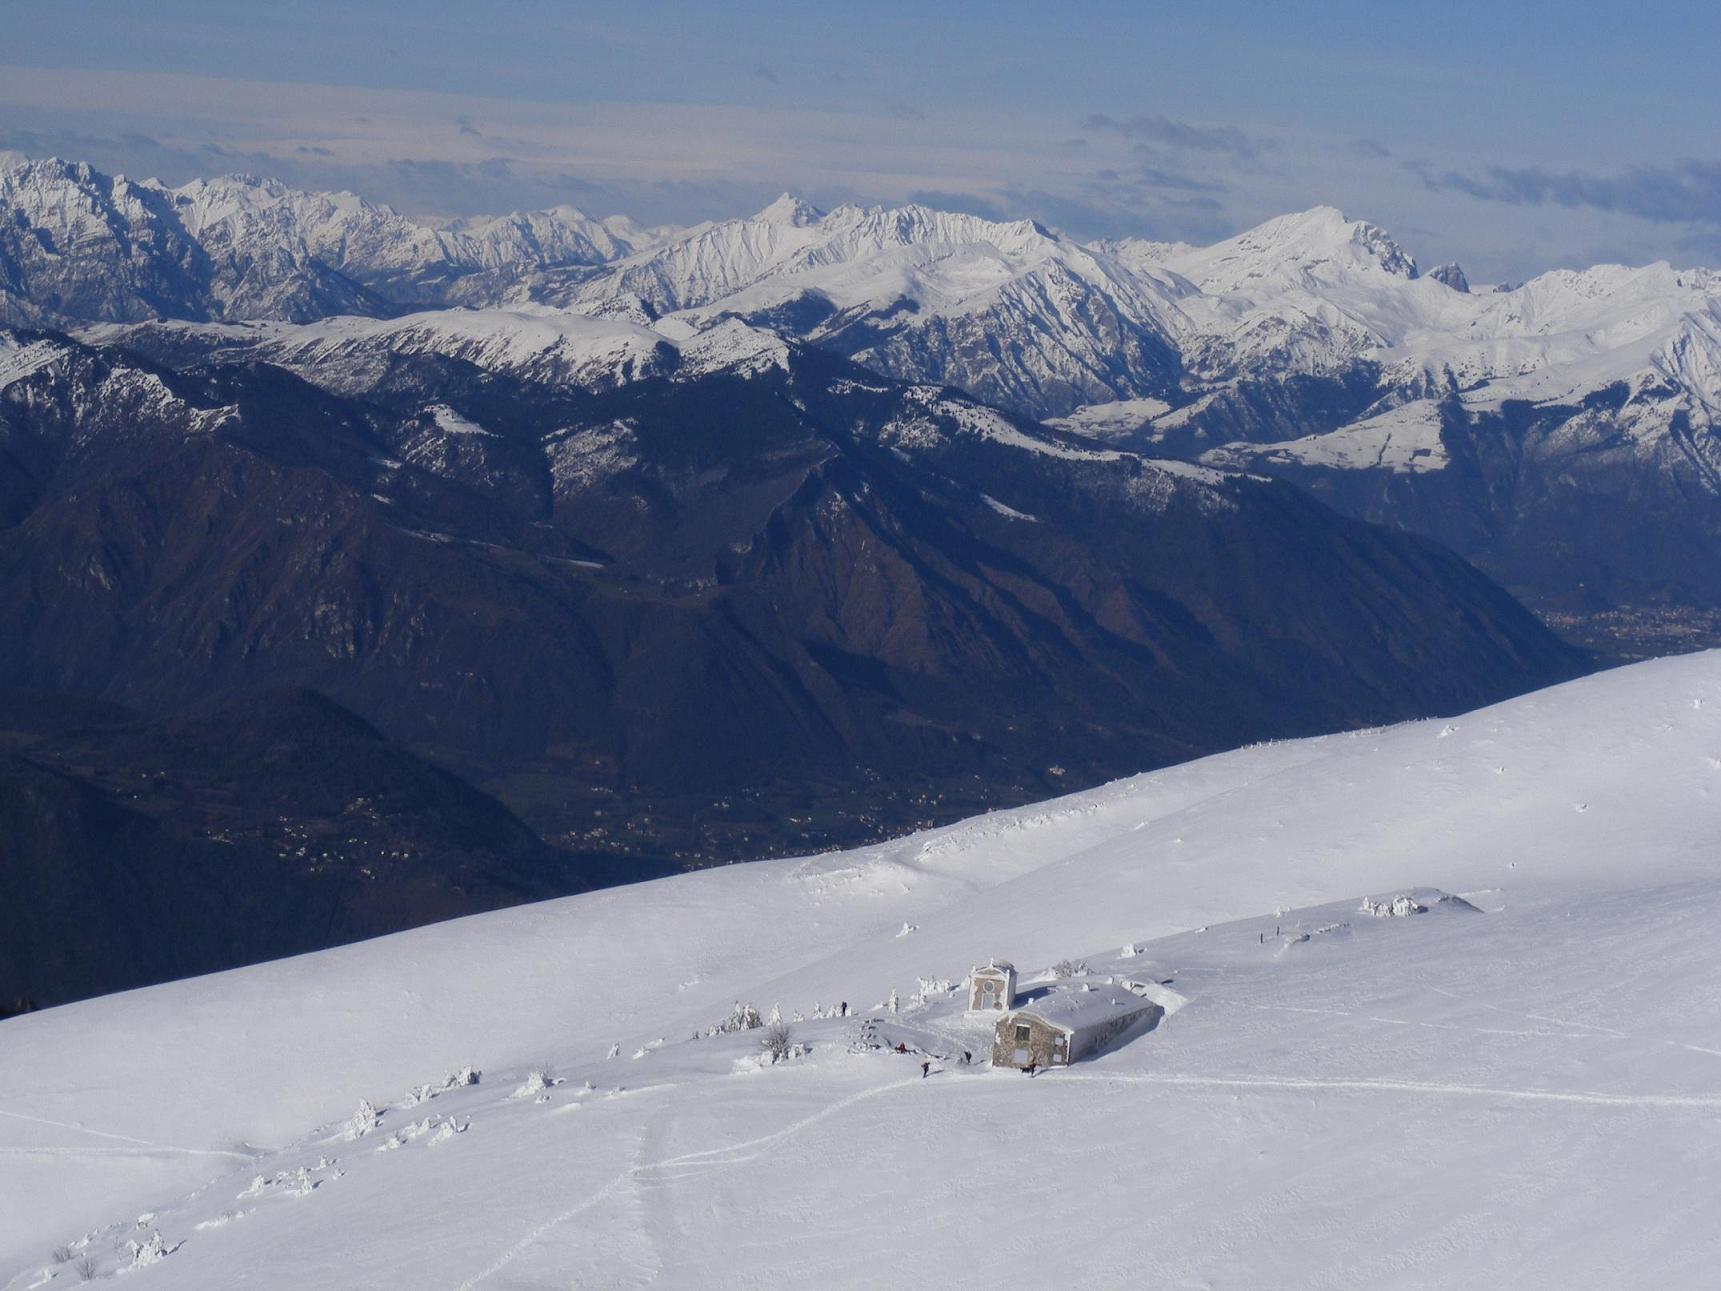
539,1080
1069,968
62,1254
1399,907
85,1268
447,1130
406,1134
153,1251
778,1040
743,1017
454,1080
363,1121
929,987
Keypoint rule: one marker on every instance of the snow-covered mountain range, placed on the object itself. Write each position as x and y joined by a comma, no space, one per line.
1560,433
77,244
1514,1087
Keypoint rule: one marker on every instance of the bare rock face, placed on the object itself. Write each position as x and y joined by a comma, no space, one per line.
1451,275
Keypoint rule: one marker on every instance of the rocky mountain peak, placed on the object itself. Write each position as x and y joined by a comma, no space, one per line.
791,210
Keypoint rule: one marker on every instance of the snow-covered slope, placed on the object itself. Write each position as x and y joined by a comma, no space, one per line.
1523,1094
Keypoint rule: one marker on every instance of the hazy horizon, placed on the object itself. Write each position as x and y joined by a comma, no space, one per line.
1499,140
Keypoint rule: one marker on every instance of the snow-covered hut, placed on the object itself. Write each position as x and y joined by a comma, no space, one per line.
1065,1025
992,985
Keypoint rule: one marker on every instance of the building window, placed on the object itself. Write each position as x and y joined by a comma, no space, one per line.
1021,1031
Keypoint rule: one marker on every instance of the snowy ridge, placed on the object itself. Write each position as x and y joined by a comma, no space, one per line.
1321,1061
530,341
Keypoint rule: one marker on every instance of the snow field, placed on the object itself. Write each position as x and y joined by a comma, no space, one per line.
1521,1094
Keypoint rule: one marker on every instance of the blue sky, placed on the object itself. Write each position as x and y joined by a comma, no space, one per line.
1512,137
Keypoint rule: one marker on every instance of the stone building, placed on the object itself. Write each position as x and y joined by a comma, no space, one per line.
1067,1024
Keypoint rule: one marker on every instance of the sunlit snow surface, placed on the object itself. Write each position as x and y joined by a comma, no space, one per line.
1527,1094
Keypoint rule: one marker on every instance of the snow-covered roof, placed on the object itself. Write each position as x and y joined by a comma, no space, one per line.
1075,1009
996,966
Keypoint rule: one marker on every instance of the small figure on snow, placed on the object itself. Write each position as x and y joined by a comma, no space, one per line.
1030,1069
926,1069
901,1047
967,1057
844,1007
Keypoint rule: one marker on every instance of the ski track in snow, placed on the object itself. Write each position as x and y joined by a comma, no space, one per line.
735,1154
719,1157
153,1148
1589,1027
1674,1101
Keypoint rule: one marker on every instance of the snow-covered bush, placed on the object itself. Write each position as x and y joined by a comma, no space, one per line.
454,1080
153,1251
1399,907
406,1134
420,1094
363,1121
538,1082
85,1268
930,987
447,1130
1069,968
743,1017
778,1041
62,1254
